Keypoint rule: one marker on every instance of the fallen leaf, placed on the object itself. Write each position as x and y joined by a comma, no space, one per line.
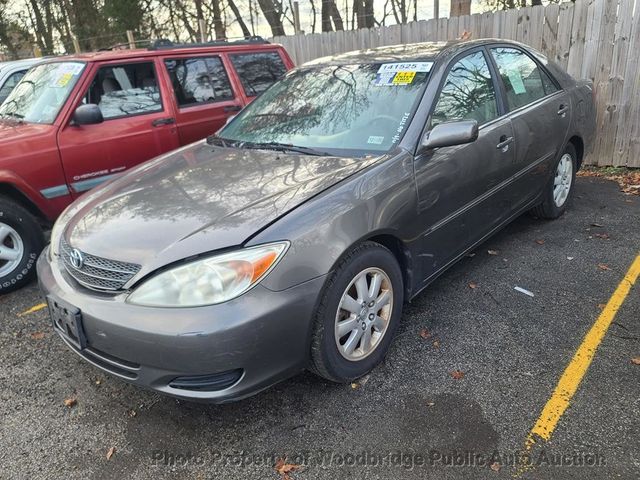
98,381
492,252
604,236
570,258
436,343
424,333
473,285
635,360
457,374
603,266
540,242
495,466
110,452
470,255
430,404
597,225
70,402
355,385
132,413
284,468
37,335
602,305
33,309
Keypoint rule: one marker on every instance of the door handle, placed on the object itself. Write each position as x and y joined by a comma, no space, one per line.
232,108
562,110
504,143
163,121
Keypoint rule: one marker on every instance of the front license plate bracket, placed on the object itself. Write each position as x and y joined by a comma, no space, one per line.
67,320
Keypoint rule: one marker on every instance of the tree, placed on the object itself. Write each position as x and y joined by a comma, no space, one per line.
459,8
273,11
363,12
330,12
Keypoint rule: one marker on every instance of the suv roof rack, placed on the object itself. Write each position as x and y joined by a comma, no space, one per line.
163,44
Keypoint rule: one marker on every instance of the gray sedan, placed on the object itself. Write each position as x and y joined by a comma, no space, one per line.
292,238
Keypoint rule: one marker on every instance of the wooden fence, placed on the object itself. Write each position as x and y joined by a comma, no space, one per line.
596,39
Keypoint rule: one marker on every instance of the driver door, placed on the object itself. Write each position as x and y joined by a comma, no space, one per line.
460,188
138,125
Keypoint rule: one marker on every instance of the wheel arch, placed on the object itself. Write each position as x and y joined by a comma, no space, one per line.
578,144
11,192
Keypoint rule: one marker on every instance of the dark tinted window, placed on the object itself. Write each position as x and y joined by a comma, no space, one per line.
468,93
521,76
199,80
258,71
10,83
125,90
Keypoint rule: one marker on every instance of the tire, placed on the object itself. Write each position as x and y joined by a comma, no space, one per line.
21,241
330,358
550,208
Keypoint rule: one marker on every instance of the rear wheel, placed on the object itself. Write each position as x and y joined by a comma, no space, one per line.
559,190
21,241
358,314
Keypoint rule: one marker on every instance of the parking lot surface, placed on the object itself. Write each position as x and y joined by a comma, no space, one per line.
472,367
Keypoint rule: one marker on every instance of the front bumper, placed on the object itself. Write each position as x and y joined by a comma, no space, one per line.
245,345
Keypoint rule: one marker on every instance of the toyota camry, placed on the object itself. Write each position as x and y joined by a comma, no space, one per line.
292,238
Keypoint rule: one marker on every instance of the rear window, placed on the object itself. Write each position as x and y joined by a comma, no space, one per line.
199,80
258,71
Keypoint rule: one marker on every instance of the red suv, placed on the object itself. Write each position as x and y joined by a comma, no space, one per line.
75,122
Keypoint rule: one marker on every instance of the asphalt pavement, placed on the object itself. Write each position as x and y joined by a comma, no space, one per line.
472,367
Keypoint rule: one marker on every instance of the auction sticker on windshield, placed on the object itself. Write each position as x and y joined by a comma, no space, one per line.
406,67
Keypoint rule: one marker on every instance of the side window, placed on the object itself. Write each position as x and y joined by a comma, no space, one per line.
10,83
199,80
549,86
523,80
467,93
258,71
125,90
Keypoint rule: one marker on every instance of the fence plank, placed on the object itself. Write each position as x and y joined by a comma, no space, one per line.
550,31
565,25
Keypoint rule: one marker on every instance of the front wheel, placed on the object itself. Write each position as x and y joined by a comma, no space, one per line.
21,241
558,192
358,314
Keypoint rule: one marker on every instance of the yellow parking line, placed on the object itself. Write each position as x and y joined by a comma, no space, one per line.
33,309
575,371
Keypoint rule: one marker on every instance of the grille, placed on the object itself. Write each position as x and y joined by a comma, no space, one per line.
96,272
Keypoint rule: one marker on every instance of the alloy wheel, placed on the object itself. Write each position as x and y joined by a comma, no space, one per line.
11,249
563,179
363,314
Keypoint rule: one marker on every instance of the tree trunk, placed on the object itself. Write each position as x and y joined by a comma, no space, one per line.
243,26
363,11
460,8
218,24
273,13
331,13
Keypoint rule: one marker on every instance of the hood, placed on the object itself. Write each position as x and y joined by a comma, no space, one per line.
198,199
16,132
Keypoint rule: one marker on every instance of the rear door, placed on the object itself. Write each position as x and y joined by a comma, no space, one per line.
461,189
138,124
540,113
257,71
203,95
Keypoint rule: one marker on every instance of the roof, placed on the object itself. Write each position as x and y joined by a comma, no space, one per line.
25,63
106,55
401,53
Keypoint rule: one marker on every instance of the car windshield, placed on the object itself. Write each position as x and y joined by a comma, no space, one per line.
42,92
342,110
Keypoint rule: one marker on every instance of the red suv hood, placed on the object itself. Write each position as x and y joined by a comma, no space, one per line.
14,131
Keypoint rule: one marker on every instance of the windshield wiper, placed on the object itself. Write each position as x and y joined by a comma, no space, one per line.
217,140
284,147
13,115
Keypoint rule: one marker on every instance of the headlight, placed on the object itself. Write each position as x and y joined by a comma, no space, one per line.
211,280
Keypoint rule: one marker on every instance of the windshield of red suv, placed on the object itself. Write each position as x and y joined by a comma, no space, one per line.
343,109
42,91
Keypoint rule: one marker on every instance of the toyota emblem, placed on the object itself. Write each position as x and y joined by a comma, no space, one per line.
76,258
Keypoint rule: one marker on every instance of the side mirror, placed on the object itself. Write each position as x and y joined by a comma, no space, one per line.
450,134
88,114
